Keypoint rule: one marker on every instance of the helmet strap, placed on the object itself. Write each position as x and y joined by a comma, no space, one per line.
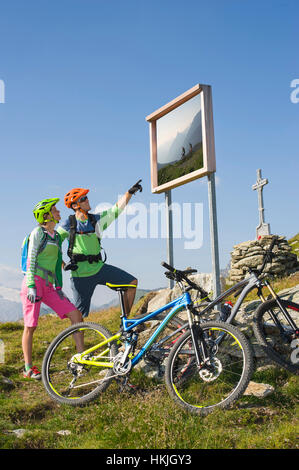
51,219
82,210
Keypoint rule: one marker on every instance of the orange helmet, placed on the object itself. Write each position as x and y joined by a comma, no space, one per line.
73,195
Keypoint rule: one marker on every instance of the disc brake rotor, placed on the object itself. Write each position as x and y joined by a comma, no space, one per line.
211,372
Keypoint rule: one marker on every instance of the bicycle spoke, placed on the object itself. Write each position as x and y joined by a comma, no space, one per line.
73,377
275,328
218,380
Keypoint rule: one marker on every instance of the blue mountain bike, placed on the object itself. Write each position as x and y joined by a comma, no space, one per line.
209,364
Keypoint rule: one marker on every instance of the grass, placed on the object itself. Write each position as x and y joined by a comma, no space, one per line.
191,162
278,284
148,419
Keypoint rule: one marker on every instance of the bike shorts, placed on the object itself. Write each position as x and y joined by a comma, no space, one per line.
83,287
49,296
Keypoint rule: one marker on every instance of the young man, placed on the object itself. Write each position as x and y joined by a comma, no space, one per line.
84,230
42,273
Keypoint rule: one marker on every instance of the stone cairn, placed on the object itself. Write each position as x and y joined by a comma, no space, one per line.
251,254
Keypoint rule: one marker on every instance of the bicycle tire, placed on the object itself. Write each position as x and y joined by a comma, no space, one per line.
55,372
277,344
195,389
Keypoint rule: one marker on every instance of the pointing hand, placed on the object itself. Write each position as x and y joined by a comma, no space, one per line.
137,187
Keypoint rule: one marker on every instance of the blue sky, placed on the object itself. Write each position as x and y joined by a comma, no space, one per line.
80,78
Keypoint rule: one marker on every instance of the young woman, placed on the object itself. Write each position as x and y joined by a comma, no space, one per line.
43,280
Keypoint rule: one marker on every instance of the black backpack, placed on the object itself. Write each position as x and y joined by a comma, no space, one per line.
74,257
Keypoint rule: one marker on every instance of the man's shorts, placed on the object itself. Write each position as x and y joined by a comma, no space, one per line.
83,287
49,296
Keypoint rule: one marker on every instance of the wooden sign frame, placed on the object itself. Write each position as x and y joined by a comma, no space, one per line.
208,142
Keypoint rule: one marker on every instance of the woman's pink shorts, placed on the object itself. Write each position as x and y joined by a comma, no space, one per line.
61,305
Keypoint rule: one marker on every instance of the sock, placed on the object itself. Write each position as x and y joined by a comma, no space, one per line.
27,367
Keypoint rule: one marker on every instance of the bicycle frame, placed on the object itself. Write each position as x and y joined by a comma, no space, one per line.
247,285
129,324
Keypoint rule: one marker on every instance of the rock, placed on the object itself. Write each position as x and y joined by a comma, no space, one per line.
258,389
249,262
16,432
64,432
290,294
250,254
265,368
151,371
144,301
6,384
161,298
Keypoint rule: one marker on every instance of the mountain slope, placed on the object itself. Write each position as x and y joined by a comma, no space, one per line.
294,244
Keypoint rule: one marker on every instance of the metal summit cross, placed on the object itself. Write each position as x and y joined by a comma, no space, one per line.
262,228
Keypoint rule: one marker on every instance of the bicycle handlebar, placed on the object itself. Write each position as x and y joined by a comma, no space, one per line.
182,275
173,270
167,266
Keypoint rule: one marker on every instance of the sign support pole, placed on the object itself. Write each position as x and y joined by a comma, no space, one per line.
214,235
169,233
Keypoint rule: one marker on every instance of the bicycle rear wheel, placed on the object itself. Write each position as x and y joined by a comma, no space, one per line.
221,380
278,336
66,380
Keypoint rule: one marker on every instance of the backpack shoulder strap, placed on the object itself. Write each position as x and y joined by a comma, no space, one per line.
73,227
44,240
58,239
92,220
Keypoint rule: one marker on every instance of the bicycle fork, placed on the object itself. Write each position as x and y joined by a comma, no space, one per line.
197,339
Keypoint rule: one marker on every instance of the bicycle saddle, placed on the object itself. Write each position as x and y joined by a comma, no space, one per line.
119,287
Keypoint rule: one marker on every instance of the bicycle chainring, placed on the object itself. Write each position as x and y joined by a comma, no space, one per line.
118,367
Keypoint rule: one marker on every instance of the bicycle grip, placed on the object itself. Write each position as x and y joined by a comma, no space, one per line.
167,266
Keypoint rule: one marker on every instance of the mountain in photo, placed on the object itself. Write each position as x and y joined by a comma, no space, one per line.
172,150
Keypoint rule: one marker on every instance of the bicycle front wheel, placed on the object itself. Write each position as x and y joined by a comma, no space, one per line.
278,333
66,379
219,380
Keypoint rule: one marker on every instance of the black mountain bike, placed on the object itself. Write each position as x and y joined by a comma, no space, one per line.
276,320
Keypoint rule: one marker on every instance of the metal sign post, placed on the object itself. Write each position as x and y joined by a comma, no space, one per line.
169,233
189,116
214,235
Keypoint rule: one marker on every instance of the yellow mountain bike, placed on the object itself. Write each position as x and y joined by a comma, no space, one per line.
209,364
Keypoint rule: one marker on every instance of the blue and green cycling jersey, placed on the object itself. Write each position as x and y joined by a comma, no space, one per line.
88,243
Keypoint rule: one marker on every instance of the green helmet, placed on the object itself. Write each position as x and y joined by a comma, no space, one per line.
43,207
